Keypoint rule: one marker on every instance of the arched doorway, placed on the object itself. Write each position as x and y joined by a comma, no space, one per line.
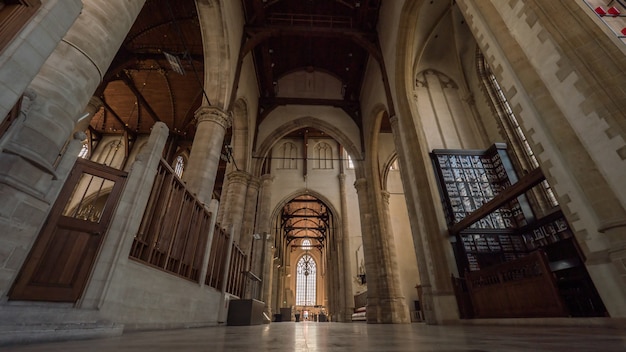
306,259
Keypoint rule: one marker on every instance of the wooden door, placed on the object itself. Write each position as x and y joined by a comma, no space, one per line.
63,255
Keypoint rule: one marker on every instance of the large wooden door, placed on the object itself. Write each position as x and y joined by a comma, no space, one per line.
62,257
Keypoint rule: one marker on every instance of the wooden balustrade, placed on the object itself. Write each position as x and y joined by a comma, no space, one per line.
174,228
521,288
173,235
217,258
237,274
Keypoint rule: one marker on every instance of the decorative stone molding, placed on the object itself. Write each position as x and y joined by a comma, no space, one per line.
215,115
266,178
237,176
393,120
360,185
385,195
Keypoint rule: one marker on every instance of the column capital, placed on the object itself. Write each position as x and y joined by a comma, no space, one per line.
238,176
213,114
386,195
267,178
360,184
393,120
342,178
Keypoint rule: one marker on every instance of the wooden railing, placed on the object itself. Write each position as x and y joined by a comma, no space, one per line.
237,273
521,288
13,114
217,258
174,229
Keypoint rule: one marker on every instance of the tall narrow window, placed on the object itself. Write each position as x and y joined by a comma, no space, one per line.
323,156
179,166
349,162
288,156
109,154
306,281
84,151
516,139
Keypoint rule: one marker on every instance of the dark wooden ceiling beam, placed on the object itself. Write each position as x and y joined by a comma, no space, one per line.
258,34
117,117
156,25
131,85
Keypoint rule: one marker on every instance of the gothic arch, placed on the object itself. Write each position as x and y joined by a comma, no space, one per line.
266,145
217,58
387,167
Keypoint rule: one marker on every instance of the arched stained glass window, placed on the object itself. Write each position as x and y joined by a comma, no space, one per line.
306,271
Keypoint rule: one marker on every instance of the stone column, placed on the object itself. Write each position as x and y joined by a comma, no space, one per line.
347,302
201,171
63,87
263,222
397,299
253,247
247,227
236,200
385,304
433,252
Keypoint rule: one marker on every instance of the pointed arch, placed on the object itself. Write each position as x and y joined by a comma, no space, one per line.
217,58
265,146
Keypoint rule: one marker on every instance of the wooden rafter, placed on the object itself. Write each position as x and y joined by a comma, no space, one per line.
131,85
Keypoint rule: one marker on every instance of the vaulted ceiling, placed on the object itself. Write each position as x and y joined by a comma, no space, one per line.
336,37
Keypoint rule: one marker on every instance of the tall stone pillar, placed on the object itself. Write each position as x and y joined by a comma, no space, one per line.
431,250
249,244
201,171
396,297
247,226
263,223
63,87
347,302
236,195
385,304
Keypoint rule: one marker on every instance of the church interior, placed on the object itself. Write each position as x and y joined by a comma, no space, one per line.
307,170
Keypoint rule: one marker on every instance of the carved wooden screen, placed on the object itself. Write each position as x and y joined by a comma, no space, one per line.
61,259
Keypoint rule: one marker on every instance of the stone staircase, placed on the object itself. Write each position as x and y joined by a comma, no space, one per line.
22,323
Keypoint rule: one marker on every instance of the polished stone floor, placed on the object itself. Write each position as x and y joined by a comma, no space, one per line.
357,337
